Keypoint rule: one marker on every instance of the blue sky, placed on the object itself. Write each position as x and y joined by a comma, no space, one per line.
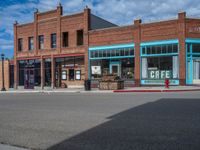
121,12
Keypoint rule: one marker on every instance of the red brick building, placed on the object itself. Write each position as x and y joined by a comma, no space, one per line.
62,51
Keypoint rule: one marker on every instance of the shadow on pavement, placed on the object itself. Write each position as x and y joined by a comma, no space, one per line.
167,124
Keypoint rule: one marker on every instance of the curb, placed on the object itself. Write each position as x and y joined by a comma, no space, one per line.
129,91
48,92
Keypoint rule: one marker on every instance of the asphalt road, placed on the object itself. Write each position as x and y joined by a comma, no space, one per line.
139,121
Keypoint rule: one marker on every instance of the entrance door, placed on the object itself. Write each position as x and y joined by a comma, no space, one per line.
196,71
115,68
29,78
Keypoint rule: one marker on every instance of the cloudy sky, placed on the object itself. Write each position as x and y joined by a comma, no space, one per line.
121,12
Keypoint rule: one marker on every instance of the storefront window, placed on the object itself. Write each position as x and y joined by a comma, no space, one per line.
124,68
159,68
69,69
29,73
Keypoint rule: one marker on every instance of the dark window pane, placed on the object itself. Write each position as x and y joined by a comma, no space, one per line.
175,48
96,54
65,39
104,53
118,52
80,37
108,53
132,52
30,43
113,53
100,53
143,50
153,50
20,44
41,41
53,40
127,52
148,50
122,52
196,48
158,49
71,74
170,48
164,49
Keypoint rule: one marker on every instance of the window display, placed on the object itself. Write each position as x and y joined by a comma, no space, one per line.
78,74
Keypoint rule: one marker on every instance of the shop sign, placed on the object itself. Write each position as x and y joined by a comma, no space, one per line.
160,74
96,70
194,29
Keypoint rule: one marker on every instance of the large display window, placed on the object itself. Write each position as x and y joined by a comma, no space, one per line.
29,73
159,62
117,60
69,69
124,68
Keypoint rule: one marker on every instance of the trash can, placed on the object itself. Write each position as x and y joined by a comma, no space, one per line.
87,85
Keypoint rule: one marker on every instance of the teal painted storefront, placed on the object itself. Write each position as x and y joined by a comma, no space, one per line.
190,57
111,53
145,54
164,49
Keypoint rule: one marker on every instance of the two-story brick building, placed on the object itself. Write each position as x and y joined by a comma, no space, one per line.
57,50
52,50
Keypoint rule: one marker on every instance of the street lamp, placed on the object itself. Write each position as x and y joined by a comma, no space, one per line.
3,86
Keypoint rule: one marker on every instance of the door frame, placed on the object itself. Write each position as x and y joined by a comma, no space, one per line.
115,63
195,81
27,85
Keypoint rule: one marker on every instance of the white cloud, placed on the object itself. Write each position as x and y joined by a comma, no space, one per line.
117,11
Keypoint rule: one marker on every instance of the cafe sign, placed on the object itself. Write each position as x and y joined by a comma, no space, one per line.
160,74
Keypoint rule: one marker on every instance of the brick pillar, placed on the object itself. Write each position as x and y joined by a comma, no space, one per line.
87,12
15,56
52,72
137,40
42,72
182,47
59,34
36,32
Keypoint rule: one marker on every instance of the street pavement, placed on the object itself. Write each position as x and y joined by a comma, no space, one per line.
101,121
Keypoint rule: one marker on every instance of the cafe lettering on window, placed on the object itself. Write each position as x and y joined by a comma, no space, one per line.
160,74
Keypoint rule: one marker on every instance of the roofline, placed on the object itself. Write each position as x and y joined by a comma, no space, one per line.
105,20
110,28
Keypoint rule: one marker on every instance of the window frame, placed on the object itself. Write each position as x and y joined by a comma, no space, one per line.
20,45
65,40
53,41
40,43
31,43
80,40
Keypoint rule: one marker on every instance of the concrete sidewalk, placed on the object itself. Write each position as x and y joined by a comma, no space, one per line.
133,89
160,89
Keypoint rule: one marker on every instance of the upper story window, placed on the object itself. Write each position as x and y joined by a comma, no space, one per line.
79,37
20,44
53,40
65,39
41,41
30,43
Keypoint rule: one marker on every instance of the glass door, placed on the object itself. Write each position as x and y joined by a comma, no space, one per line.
29,78
115,68
196,71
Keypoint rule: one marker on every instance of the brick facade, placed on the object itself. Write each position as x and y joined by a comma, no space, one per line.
54,22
